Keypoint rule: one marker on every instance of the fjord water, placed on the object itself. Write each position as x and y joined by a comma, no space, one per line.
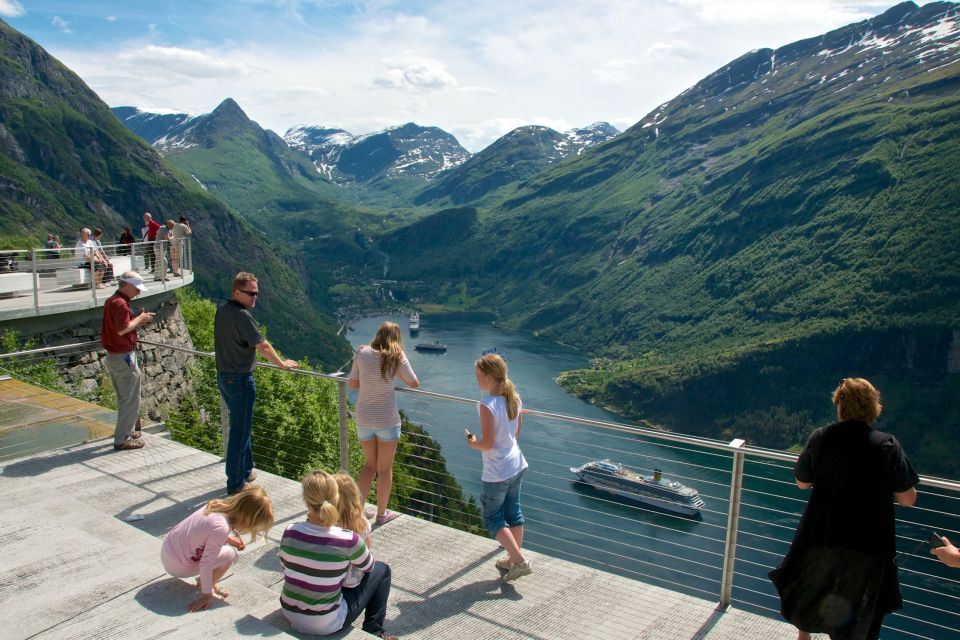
576,523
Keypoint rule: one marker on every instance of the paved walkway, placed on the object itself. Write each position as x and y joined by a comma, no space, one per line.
78,561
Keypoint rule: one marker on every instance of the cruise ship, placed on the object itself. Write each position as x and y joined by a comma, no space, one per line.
655,490
436,346
414,321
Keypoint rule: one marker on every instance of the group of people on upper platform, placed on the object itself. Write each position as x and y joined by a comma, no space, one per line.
90,253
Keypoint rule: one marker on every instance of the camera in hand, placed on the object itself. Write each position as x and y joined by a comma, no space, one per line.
935,540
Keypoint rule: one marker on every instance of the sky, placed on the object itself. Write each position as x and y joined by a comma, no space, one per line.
475,68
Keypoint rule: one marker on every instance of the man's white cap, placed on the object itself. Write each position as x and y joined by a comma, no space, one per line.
133,278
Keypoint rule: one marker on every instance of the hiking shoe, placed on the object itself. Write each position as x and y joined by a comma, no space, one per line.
387,516
129,443
503,564
517,570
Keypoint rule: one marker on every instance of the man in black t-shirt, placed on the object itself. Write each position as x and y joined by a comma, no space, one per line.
237,341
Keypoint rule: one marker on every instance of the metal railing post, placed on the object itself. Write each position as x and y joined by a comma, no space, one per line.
190,253
93,277
36,281
733,523
344,443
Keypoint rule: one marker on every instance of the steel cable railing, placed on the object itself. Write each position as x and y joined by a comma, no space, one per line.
584,526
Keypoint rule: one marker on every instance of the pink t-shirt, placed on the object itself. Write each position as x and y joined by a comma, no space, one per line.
377,402
199,538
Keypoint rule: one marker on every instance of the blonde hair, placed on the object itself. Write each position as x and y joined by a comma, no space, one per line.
247,511
241,279
390,345
494,366
857,399
321,495
350,505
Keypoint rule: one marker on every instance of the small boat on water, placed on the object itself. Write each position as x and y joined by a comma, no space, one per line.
495,352
414,321
436,346
655,490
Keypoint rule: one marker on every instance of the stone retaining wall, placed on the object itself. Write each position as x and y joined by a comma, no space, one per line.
164,378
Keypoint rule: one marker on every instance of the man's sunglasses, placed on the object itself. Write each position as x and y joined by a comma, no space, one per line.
252,294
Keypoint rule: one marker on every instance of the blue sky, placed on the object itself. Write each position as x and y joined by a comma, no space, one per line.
475,68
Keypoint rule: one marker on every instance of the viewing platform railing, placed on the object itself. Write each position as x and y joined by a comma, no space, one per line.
34,281
752,503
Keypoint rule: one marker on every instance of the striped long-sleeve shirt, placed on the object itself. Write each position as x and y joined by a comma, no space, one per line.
315,561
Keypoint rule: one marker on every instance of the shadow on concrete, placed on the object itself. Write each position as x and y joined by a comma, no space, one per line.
159,522
417,615
250,625
277,620
707,625
170,597
41,464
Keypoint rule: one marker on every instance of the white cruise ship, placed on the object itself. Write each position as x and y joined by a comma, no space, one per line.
655,490
414,321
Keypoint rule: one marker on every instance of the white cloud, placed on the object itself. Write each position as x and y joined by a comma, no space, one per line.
111,18
672,49
475,69
61,24
11,9
413,73
615,71
184,62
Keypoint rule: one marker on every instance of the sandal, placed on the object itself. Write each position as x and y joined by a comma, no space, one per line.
387,516
126,445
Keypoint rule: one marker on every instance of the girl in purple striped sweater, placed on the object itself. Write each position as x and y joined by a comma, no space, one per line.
316,556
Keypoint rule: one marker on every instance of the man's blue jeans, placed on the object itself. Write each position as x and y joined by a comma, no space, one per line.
238,391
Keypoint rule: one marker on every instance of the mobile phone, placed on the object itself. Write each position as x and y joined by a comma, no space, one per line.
467,431
935,540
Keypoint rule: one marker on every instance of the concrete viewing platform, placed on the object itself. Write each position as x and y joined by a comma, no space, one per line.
52,298
81,530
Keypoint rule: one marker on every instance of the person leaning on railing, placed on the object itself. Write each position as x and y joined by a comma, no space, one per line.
839,575
237,341
947,554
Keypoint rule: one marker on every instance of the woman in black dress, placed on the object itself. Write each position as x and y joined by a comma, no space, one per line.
839,575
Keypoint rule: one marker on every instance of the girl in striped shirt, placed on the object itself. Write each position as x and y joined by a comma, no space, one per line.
378,420
316,556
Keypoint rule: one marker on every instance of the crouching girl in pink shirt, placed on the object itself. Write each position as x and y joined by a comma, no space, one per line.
203,546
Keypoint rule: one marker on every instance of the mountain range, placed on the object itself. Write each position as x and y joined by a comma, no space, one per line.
66,162
399,166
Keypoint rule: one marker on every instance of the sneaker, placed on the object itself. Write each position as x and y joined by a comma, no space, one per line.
129,443
387,516
370,513
503,564
517,570
252,475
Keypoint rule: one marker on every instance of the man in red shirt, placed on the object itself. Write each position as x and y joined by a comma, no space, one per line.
152,227
119,338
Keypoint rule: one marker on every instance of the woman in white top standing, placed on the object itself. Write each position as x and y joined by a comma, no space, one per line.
503,462
378,419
